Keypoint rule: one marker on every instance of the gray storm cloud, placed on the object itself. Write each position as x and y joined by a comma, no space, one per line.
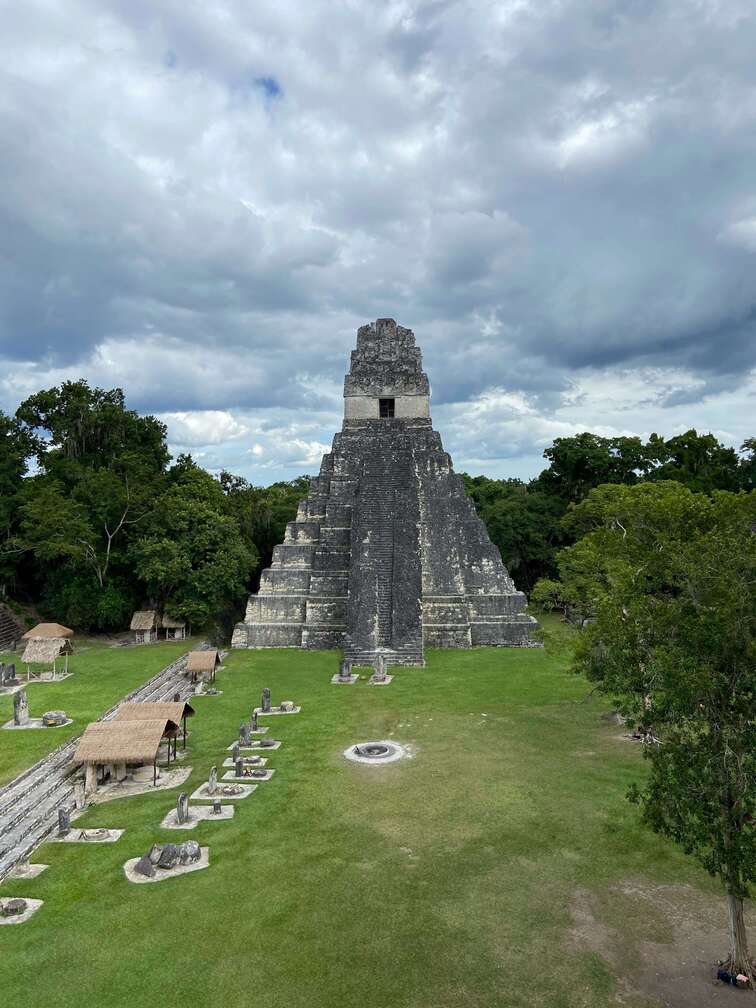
201,202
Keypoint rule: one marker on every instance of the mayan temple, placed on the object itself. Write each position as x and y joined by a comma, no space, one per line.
386,555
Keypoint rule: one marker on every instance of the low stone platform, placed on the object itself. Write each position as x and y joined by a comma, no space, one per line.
32,905
165,873
256,745
338,681
243,780
230,763
35,723
275,710
380,682
197,814
27,871
126,789
75,836
47,678
201,795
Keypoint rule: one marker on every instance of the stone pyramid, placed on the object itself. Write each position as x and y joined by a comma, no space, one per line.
386,555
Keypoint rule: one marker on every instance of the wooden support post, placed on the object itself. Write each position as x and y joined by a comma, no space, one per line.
154,772
184,721
90,779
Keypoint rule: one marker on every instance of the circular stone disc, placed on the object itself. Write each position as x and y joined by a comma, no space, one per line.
395,752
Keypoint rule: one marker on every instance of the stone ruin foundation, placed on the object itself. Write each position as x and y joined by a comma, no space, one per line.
386,555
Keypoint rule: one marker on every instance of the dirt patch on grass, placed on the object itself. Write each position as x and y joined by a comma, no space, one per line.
660,941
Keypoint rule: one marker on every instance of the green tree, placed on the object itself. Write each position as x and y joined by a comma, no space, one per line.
17,445
698,461
192,558
263,512
101,468
583,461
669,577
748,464
523,523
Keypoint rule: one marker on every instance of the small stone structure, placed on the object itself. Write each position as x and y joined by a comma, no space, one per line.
380,676
194,814
8,678
386,553
64,821
345,676
20,708
182,808
167,861
16,910
228,790
375,753
22,720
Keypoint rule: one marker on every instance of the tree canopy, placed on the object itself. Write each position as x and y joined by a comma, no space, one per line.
667,579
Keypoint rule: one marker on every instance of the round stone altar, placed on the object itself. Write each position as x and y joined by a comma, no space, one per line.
375,753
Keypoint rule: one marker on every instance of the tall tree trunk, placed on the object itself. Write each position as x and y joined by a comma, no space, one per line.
739,960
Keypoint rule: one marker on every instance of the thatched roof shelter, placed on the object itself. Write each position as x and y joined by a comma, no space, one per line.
145,619
173,622
47,631
174,711
121,741
203,661
44,650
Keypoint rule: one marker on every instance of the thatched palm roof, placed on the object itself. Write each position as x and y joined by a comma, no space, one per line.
44,650
172,711
173,622
120,742
145,619
202,661
46,631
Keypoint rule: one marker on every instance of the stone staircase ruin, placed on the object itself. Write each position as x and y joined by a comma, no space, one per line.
386,554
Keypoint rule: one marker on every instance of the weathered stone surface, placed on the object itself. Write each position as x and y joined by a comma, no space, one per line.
64,821
387,555
20,708
169,856
12,907
189,852
144,866
54,718
182,808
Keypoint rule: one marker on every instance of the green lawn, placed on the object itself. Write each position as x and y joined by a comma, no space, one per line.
102,675
444,880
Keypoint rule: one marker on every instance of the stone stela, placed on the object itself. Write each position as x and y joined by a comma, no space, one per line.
20,708
386,554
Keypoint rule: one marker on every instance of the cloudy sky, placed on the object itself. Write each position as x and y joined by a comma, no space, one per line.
201,201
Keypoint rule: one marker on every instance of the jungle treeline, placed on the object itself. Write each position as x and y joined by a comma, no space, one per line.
97,519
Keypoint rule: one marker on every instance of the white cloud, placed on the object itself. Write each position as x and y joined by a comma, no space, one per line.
200,203
203,427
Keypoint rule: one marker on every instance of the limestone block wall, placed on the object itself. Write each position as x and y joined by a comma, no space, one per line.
387,553
361,407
